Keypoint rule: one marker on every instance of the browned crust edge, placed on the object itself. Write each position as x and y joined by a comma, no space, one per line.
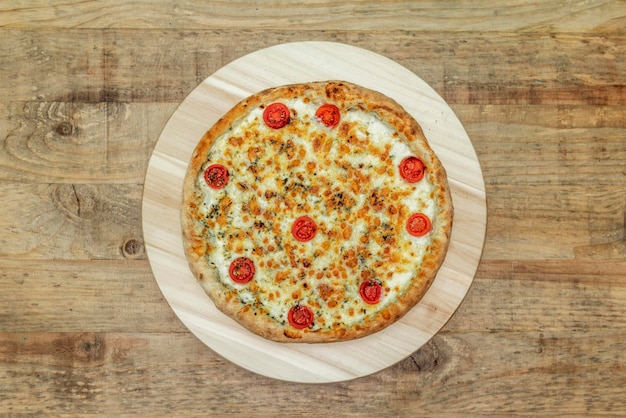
226,300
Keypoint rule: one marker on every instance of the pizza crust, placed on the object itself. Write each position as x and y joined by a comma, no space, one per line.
200,251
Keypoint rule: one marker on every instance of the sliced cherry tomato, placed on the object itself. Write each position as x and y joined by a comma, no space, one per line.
304,229
328,114
300,316
371,291
412,169
216,176
418,225
276,115
241,270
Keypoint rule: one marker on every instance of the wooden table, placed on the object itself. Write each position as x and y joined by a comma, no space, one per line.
87,87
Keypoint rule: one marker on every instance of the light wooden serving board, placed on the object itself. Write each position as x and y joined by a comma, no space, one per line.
295,63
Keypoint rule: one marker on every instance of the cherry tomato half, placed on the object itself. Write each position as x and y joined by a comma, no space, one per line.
412,169
304,229
216,176
371,291
418,225
328,114
241,270
276,115
300,316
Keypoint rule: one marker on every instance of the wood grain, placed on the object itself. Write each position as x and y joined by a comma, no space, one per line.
465,68
35,297
78,142
590,297
578,179
71,221
483,15
91,372
541,331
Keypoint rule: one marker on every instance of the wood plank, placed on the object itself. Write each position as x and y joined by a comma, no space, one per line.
567,157
91,65
71,221
554,177
73,296
124,373
75,142
556,221
484,15
560,116
545,295
122,296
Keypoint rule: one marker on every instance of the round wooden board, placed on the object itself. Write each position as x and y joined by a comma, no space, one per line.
295,63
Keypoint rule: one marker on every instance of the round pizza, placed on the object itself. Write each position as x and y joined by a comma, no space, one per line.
315,212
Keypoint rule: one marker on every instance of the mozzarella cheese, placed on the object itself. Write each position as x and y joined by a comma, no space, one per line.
346,179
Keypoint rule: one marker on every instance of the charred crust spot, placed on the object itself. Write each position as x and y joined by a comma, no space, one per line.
336,91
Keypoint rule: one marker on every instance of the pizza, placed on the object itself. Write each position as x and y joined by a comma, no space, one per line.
315,212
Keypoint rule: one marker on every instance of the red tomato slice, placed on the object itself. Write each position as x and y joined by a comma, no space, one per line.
241,270
412,169
216,176
418,225
371,291
304,229
300,316
276,115
328,114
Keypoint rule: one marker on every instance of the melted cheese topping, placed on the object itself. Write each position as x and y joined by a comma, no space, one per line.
346,179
